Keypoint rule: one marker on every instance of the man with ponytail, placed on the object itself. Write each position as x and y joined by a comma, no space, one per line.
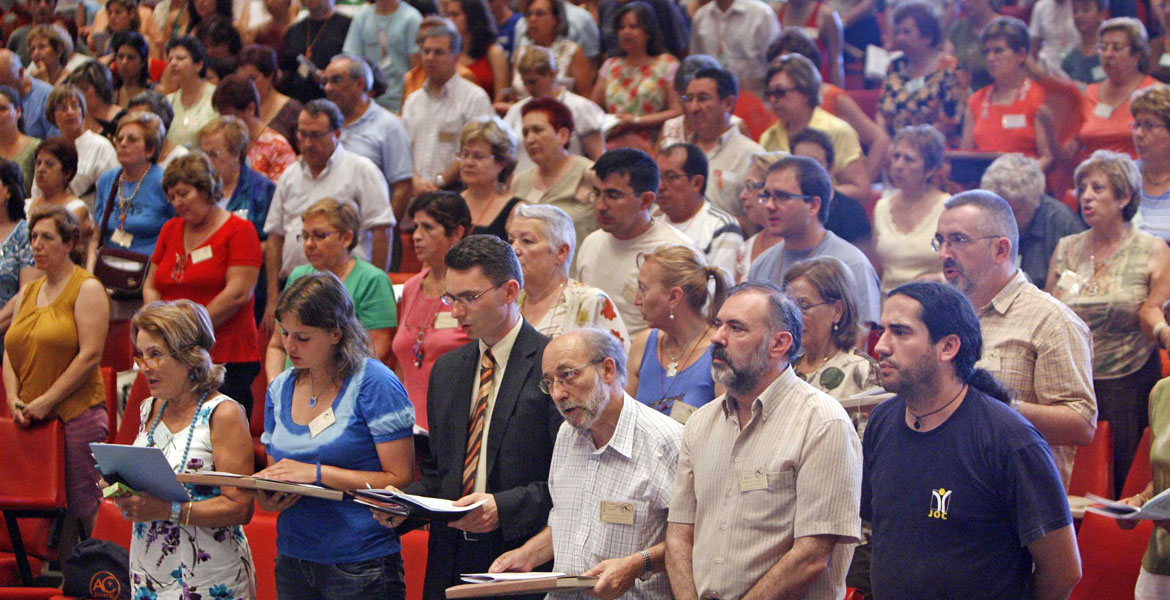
961,491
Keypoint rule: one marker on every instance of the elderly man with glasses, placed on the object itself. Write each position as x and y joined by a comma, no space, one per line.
796,197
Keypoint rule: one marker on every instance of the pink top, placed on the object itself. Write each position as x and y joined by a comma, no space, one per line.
426,325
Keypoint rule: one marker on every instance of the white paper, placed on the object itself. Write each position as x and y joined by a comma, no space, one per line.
1158,508
437,505
495,577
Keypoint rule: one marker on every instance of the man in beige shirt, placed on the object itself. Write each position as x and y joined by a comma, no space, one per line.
1032,343
767,491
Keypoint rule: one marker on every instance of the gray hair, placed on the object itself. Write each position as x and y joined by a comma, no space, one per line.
444,30
998,218
555,224
927,140
358,68
783,314
1014,177
1139,39
602,345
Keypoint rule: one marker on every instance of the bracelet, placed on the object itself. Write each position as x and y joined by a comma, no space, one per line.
1158,333
176,512
318,482
645,561
187,521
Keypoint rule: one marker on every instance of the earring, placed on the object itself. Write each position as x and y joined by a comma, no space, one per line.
836,327
672,313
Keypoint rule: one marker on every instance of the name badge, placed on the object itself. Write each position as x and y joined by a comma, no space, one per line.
1014,122
200,254
913,85
445,321
1098,72
447,137
812,32
241,213
681,411
753,479
1164,60
621,513
322,422
122,237
1103,110
303,68
1071,281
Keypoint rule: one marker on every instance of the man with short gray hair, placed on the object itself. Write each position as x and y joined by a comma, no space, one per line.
34,93
1035,345
435,114
1041,220
612,471
768,489
370,130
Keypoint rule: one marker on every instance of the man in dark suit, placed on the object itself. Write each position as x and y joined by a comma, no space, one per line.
492,429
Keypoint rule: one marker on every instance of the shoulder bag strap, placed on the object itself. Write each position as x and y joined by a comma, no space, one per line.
109,209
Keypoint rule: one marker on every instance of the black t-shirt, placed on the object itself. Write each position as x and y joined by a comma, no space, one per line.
954,508
847,219
325,38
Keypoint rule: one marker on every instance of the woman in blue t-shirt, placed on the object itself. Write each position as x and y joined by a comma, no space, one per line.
341,419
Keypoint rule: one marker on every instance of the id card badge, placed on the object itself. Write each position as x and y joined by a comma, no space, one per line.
322,422
681,411
1103,111
445,321
913,85
1014,122
122,237
753,479
621,513
1071,281
1164,60
303,68
1098,72
448,137
200,254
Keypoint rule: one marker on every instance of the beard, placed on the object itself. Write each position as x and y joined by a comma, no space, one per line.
914,382
590,408
740,379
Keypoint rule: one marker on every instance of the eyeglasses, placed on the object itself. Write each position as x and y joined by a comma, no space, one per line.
673,176
778,197
312,135
1115,48
316,236
475,156
701,98
805,305
153,361
565,376
777,93
957,240
466,299
610,195
1147,125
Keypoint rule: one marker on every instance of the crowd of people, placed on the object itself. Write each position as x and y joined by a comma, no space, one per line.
669,284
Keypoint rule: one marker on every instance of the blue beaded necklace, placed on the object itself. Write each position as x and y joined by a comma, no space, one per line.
190,429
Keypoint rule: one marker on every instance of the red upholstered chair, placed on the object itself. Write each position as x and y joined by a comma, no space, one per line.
1093,469
119,352
410,262
39,450
261,532
1139,472
131,419
853,594
29,593
110,379
111,526
1111,557
867,100
414,559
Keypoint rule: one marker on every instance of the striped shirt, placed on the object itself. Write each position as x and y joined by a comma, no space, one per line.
793,471
635,467
1041,350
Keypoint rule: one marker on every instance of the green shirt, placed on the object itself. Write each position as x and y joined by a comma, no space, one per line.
1157,558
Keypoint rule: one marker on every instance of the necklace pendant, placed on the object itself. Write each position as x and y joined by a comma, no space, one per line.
672,369
917,423
312,401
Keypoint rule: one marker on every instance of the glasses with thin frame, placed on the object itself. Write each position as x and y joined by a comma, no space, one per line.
316,236
466,299
777,197
956,240
565,377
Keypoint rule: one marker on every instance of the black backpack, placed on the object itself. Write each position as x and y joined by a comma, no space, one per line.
97,570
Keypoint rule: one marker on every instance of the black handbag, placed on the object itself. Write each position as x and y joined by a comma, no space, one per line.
122,271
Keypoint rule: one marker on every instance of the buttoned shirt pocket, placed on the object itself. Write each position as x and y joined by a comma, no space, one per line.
619,539
771,508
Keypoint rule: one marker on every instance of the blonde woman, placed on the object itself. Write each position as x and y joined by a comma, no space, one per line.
487,156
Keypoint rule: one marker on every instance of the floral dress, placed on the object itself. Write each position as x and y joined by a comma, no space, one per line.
15,254
582,306
172,561
638,90
935,99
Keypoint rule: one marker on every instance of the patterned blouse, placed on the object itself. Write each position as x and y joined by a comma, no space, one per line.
638,90
271,154
582,306
936,99
15,254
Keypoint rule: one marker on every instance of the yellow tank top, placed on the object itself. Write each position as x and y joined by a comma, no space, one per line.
41,343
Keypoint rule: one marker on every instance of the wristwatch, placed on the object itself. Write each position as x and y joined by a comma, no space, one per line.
176,511
647,573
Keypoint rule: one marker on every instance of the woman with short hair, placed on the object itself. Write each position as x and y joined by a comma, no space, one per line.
426,329
922,87
182,548
363,440
268,152
51,51
66,109
191,98
679,295
97,84
154,102
487,156
1116,278
1151,138
210,255
56,166
544,241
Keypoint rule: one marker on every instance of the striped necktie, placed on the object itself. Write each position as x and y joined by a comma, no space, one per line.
487,369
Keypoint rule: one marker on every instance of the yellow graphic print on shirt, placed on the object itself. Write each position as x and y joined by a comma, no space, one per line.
940,500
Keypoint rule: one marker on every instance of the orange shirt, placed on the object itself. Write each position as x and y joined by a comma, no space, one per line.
1007,127
1104,129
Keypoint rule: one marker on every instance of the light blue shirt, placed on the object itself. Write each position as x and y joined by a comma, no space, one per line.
380,137
387,41
32,107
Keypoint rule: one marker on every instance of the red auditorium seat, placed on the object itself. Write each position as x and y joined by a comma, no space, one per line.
131,417
110,379
1139,472
1111,558
1093,466
40,450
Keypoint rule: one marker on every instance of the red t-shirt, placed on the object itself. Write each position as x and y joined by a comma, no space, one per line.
1110,131
204,275
1007,127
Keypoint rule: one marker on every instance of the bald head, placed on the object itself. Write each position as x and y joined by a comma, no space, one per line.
11,69
586,369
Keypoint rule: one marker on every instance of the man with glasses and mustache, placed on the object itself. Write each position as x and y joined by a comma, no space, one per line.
1035,345
796,197
492,427
612,474
774,465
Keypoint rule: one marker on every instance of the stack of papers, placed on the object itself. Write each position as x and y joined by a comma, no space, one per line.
1157,509
436,509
